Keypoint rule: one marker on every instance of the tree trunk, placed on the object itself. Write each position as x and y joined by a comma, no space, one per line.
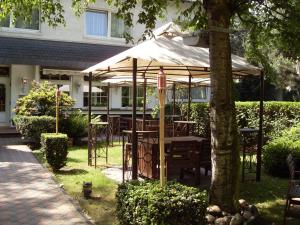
224,137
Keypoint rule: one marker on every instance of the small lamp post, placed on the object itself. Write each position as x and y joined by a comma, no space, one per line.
57,94
161,86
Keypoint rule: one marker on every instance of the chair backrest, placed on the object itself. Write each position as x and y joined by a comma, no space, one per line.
205,153
183,150
291,165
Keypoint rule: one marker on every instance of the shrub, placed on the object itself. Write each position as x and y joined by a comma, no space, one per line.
277,150
75,125
143,203
55,147
168,110
31,127
41,101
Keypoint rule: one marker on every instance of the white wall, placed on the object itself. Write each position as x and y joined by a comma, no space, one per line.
17,89
74,31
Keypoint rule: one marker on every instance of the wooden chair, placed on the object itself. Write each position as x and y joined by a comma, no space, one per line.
293,194
181,158
205,155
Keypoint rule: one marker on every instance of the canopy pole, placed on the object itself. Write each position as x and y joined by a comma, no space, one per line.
162,97
144,103
108,99
134,135
89,120
260,133
109,129
174,96
189,104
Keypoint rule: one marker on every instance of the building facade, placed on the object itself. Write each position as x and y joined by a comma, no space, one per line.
34,51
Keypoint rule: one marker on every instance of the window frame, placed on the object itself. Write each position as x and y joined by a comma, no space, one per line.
185,98
12,27
109,27
130,97
100,97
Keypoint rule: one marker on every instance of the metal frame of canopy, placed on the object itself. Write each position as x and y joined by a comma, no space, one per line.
151,63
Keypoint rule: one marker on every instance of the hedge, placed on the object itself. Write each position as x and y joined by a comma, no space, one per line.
55,147
277,150
277,116
31,127
144,203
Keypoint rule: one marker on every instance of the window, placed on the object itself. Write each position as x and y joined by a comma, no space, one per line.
99,97
196,93
117,26
32,24
5,22
55,77
127,96
2,97
96,23
103,24
4,71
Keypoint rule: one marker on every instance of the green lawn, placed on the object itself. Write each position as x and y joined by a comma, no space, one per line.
267,195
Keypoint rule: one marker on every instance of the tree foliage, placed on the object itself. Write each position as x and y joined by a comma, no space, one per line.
51,11
41,101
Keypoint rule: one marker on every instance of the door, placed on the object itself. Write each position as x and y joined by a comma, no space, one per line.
4,101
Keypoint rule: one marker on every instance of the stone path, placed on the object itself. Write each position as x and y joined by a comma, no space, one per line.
28,194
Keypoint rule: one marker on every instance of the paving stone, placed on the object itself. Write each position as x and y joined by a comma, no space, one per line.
28,194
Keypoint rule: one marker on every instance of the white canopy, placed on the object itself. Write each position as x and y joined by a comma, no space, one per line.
179,60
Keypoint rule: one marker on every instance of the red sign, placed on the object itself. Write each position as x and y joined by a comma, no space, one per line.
161,80
57,93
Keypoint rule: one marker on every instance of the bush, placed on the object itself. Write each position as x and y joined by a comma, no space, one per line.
75,125
277,150
277,116
41,101
144,203
31,127
55,147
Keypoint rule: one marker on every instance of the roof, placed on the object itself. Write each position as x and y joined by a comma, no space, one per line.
56,54
168,50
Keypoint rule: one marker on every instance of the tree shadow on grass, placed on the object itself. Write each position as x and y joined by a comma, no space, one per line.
75,160
67,171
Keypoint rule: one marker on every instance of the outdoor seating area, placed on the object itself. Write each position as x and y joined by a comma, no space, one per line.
149,144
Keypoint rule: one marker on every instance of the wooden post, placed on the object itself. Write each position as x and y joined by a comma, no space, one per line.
189,104
174,98
144,102
89,120
57,109
260,133
134,135
162,96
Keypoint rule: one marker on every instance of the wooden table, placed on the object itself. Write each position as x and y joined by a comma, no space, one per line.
148,154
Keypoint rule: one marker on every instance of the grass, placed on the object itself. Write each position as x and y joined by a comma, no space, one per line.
268,195
102,207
